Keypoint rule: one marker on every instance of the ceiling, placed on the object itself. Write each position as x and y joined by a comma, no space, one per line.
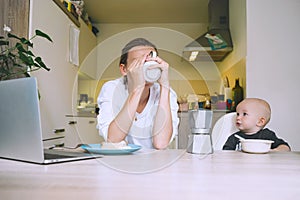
147,11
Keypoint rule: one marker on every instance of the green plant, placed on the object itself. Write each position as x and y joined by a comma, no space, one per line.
16,59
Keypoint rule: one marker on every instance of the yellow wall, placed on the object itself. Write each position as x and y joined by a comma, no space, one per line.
237,71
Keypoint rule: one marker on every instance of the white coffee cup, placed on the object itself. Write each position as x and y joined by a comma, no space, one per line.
151,75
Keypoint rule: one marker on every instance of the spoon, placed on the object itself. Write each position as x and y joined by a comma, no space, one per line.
241,138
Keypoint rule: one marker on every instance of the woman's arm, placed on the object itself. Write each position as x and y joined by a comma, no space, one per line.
120,126
163,129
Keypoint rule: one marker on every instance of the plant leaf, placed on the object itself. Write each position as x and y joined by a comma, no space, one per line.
26,74
42,34
17,60
26,42
30,53
18,65
10,35
41,63
20,47
26,59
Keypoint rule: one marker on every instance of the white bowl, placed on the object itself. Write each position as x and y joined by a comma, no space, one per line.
256,145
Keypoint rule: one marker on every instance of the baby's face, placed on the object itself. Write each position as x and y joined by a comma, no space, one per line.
247,117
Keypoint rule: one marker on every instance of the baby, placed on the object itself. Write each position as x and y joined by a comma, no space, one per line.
253,114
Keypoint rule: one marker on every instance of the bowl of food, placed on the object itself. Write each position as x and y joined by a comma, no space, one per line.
256,145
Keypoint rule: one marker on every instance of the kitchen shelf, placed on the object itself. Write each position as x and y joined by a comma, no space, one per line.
64,9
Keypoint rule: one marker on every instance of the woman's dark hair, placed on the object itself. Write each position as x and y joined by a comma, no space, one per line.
134,43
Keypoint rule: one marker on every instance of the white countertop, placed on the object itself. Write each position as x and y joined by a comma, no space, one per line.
91,115
167,174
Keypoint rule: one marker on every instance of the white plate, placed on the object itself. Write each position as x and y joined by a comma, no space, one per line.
96,148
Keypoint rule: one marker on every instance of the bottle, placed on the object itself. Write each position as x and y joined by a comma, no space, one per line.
207,104
238,94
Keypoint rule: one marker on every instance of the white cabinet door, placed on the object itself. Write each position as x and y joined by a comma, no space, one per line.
183,130
57,86
81,130
87,51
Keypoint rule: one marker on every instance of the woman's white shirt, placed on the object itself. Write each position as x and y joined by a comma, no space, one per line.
111,100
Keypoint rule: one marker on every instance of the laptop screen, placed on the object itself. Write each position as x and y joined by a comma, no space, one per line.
20,125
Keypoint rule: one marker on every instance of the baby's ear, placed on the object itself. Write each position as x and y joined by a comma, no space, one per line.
261,122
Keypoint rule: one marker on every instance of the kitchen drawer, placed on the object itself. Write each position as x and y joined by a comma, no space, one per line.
81,130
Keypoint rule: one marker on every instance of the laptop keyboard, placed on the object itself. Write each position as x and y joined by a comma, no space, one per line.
56,156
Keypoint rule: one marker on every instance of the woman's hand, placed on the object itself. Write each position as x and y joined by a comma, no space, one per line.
135,74
164,67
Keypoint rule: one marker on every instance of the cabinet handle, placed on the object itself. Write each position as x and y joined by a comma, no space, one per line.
55,138
91,122
59,130
72,122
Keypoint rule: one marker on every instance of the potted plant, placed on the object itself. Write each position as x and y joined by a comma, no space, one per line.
16,59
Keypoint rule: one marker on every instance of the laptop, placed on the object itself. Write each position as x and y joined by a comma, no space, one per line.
21,129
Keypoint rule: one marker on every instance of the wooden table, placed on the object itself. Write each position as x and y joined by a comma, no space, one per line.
168,174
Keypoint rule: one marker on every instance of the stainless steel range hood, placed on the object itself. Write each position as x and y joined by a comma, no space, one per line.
201,49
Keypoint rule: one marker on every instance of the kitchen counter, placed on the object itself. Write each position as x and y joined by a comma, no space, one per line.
214,110
166,174
93,115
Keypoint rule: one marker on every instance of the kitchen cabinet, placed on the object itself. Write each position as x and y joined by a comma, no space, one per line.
87,45
56,86
74,19
81,130
59,86
183,130
87,51
184,127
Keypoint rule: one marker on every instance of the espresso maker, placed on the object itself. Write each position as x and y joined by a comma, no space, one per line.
200,140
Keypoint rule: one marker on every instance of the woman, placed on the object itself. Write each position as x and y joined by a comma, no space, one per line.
135,110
